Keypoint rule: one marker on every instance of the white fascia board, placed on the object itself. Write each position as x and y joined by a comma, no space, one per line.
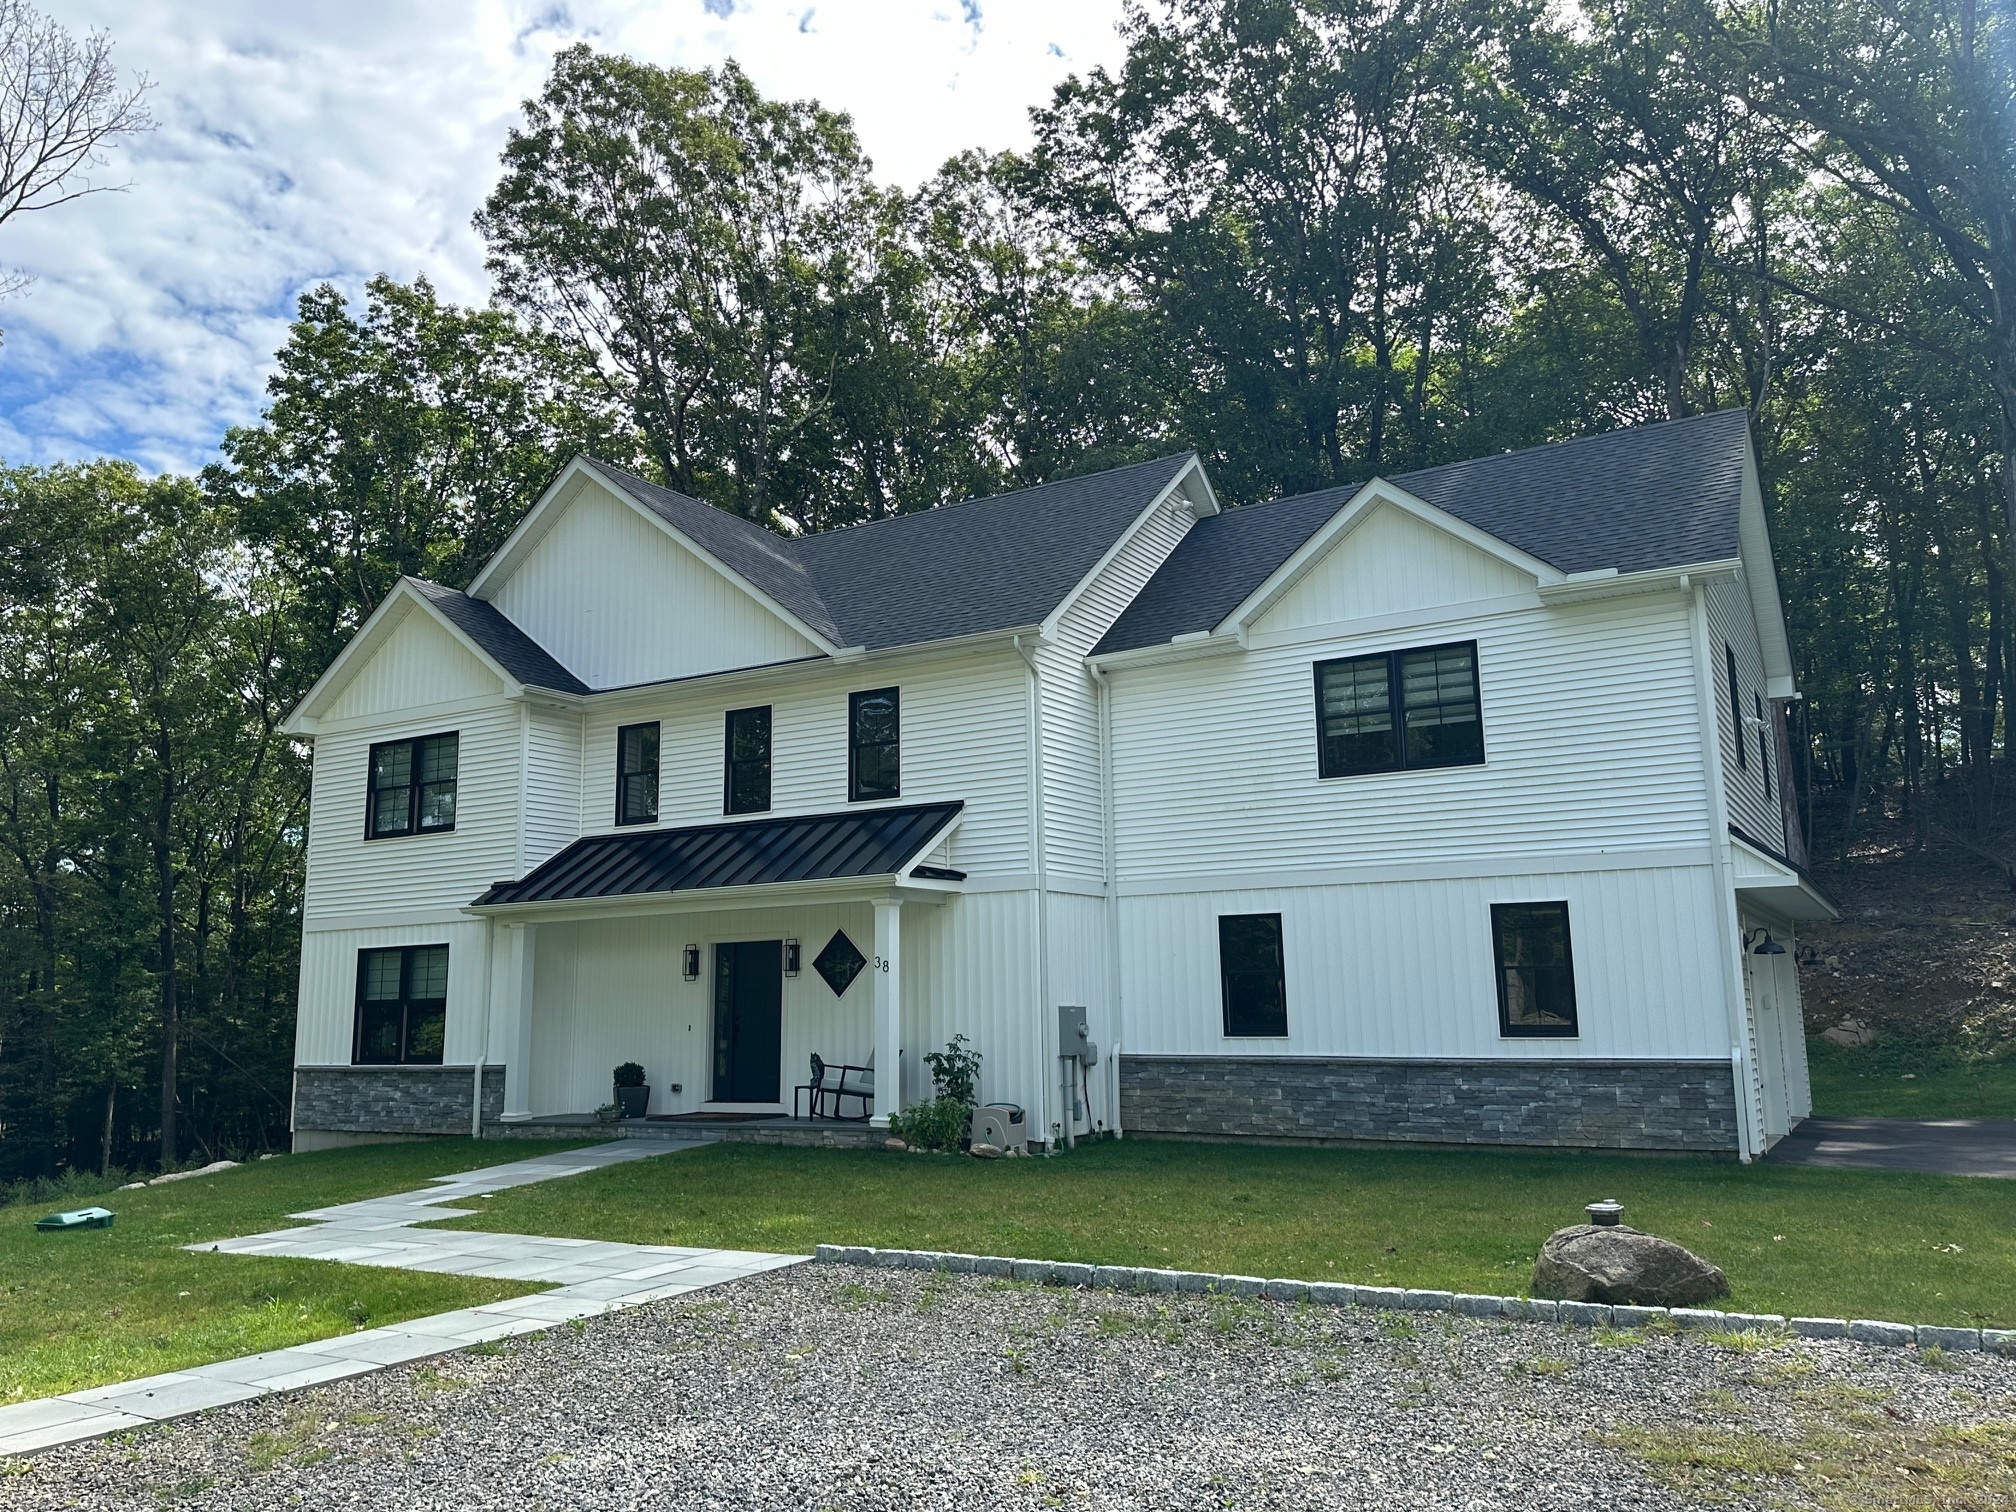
930,847
1584,587
1200,501
696,900
582,472
1757,875
1760,573
771,673
1374,495
361,647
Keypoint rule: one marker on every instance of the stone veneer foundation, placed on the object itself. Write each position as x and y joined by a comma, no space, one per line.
392,1099
1602,1104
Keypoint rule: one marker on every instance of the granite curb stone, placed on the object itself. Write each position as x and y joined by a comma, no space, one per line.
1469,1304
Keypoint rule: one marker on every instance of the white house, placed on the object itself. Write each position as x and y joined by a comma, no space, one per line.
1451,808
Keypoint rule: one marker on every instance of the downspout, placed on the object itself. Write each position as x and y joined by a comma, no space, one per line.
1111,841
1729,937
1037,858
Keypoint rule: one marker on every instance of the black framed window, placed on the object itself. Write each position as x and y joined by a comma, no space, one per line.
1399,710
1736,710
1252,976
874,747
746,779
1763,745
412,787
402,1006
637,774
1536,970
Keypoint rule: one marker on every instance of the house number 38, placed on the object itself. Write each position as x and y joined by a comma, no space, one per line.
880,964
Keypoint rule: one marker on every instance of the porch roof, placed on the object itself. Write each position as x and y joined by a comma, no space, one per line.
746,853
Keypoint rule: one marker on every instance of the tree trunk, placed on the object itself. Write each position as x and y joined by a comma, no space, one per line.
164,881
105,1145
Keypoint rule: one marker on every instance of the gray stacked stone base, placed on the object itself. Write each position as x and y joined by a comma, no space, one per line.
1601,1104
409,1101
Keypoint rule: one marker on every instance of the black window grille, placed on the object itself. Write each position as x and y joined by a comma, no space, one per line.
874,747
747,778
402,1006
1536,970
1252,976
1399,710
637,774
412,787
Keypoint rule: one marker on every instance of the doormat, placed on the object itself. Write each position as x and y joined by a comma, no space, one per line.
709,1117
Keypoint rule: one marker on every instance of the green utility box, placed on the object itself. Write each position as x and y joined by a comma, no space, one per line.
92,1217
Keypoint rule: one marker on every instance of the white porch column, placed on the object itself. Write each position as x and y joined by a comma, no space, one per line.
887,968
520,958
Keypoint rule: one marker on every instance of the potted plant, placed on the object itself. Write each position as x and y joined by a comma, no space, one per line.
608,1113
632,1095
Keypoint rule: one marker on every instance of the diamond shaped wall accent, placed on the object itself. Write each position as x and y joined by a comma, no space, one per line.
840,962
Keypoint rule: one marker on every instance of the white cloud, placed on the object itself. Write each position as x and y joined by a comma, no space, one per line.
301,142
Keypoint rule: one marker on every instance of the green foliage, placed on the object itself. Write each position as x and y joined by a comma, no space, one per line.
939,1124
629,1074
955,1071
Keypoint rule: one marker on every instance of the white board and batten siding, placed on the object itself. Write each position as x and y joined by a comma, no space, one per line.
619,602
964,729
1752,781
1592,791
1399,969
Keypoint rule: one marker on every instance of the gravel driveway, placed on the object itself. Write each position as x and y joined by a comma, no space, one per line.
832,1387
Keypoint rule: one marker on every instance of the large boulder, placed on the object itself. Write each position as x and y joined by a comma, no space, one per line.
1616,1264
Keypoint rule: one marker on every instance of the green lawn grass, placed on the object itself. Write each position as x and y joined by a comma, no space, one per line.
1894,1080
1800,1240
93,1306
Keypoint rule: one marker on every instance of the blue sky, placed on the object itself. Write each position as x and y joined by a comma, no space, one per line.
301,141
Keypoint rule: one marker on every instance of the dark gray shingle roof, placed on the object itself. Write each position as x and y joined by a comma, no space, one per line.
1663,495
745,853
512,649
986,564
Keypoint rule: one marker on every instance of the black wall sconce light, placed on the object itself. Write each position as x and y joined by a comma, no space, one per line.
690,967
790,958
1765,944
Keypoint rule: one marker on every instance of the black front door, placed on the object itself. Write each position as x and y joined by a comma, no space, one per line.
748,1020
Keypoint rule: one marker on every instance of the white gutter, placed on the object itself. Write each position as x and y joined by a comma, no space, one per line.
1036,859
1111,843
1730,936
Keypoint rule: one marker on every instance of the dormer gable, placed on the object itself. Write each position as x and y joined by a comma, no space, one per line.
621,594
1386,552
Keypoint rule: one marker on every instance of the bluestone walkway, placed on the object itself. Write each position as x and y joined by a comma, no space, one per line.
1937,1146
589,1276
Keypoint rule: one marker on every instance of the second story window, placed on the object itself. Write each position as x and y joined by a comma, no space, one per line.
874,765
637,774
1736,709
412,787
747,778
1399,710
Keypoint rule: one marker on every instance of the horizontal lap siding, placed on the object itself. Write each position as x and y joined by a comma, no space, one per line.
964,734
1074,824
617,601
1589,729
552,783
348,874
1731,622
1405,969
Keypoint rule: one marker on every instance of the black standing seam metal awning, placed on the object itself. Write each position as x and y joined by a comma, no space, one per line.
747,853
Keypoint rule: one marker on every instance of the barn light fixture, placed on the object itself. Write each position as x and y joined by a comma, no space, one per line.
691,967
1765,944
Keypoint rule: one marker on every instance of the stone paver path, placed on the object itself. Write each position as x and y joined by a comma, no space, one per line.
1942,1146
590,1277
